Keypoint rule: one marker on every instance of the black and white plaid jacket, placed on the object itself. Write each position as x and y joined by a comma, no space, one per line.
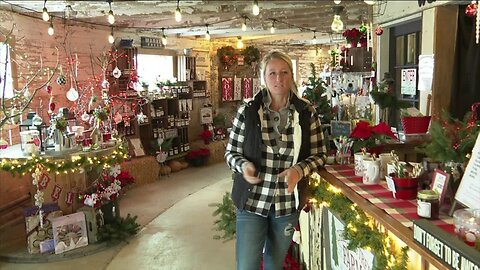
252,138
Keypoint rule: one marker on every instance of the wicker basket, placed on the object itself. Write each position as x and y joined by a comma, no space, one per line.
415,124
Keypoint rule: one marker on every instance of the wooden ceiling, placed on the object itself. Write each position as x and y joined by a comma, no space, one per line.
295,22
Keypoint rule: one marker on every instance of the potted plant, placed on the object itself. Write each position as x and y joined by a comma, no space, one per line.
370,137
405,179
198,157
206,135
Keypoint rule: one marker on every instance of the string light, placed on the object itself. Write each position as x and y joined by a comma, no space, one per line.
164,38
337,24
207,34
369,2
45,15
111,38
178,14
272,29
255,8
337,1
110,18
314,37
239,43
244,24
51,31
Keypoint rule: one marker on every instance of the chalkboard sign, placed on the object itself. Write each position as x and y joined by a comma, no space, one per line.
340,128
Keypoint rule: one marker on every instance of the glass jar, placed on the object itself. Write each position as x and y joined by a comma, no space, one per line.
467,225
428,205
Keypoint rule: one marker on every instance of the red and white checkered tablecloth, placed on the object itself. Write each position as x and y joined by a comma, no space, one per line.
405,211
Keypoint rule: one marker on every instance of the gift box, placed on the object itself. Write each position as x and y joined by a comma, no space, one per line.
69,232
36,233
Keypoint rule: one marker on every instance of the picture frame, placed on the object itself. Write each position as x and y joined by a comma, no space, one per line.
440,184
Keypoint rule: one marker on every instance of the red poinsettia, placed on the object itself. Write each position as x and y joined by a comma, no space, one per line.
366,136
352,35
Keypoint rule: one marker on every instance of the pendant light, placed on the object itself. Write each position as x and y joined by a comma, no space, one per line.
111,38
207,34
337,1
272,29
51,31
337,24
45,15
239,43
110,18
244,24
164,38
255,8
178,14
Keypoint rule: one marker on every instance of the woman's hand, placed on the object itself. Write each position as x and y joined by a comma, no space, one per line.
291,177
249,173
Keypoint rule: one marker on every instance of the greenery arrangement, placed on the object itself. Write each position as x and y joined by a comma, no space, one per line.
385,97
227,56
251,54
119,229
227,218
315,92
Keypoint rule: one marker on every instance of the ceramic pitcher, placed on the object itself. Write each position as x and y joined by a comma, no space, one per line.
371,172
359,162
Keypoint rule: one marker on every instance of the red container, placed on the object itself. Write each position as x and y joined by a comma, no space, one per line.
415,124
406,188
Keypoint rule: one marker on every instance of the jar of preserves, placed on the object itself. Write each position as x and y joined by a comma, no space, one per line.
428,205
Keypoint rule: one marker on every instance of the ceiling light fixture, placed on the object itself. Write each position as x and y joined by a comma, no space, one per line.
272,29
51,31
255,8
337,24
164,38
239,43
178,14
244,24
110,18
314,37
111,38
369,2
337,1
45,15
207,34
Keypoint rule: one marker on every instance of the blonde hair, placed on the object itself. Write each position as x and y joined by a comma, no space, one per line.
281,56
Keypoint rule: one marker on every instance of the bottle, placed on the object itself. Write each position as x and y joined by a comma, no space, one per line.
428,205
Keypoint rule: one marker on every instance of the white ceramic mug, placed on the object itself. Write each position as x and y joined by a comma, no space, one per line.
371,173
358,159
385,158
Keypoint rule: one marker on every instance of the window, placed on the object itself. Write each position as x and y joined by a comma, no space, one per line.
152,66
6,81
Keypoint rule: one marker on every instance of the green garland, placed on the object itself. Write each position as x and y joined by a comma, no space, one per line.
360,231
75,163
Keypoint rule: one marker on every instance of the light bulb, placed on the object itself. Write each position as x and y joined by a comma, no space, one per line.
45,15
255,8
239,43
164,40
244,27
369,2
337,1
178,15
272,29
111,39
111,18
51,31
207,35
337,24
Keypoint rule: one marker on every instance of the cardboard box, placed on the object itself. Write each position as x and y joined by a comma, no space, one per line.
69,232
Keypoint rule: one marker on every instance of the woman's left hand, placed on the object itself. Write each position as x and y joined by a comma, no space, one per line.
291,177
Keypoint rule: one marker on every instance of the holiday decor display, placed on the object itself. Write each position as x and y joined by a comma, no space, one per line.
315,92
227,56
384,96
251,55
370,137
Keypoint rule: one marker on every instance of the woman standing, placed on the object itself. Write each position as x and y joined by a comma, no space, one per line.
275,143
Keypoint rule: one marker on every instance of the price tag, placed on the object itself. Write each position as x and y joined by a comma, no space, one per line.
390,183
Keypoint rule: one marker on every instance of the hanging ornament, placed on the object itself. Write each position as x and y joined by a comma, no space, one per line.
49,88
85,117
116,73
471,10
51,106
92,102
61,79
117,118
379,31
106,84
26,93
72,94
3,144
362,28
141,118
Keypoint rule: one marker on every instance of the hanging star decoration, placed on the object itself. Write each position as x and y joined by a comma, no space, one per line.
141,118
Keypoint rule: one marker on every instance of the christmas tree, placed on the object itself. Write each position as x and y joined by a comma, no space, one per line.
315,92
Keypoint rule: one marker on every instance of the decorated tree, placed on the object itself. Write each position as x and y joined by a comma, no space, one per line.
316,93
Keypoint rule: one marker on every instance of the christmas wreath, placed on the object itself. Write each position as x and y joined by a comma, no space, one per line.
227,56
251,55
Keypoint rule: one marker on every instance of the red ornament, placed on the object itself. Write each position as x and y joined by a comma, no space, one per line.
455,146
471,10
379,31
51,106
49,89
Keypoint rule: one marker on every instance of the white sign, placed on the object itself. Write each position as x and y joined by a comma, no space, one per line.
339,257
408,84
425,72
468,192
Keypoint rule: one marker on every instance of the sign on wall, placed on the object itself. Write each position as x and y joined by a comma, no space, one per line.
408,85
337,254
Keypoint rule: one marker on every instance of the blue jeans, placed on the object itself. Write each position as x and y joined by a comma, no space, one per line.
254,233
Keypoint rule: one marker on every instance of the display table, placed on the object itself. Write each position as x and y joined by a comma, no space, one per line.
396,216
65,174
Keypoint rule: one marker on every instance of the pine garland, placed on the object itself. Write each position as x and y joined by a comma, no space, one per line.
119,229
